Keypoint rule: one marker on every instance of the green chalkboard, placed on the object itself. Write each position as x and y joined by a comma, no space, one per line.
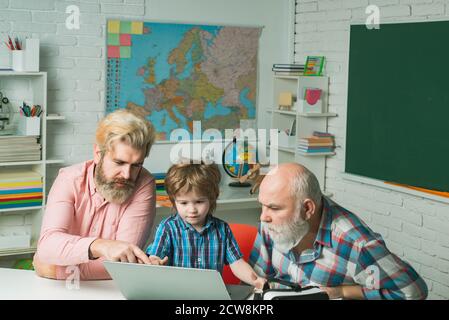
398,104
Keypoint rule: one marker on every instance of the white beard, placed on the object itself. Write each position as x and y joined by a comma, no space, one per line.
288,235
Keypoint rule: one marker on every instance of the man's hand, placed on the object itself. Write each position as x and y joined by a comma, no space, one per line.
158,261
44,270
333,292
344,292
115,250
259,282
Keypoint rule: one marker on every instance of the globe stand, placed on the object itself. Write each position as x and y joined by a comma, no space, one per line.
239,184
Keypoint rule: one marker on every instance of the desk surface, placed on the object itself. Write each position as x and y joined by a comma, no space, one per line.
26,285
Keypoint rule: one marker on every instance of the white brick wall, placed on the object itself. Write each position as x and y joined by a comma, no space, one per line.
414,228
75,61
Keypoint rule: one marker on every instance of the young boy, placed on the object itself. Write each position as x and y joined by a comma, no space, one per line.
192,237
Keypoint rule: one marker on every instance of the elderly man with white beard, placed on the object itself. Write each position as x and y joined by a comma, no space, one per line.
307,239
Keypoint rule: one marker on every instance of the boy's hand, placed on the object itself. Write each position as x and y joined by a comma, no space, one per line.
158,261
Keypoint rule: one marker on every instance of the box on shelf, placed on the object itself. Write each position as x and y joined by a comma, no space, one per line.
285,140
30,126
32,55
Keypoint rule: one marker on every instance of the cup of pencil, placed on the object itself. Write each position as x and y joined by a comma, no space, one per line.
18,54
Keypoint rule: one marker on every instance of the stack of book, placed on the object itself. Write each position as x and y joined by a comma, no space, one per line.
282,69
19,148
20,188
319,142
162,199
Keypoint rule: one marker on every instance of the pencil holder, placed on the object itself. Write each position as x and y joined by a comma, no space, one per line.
18,60
32,55
30,126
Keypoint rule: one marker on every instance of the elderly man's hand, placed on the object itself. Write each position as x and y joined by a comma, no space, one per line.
333,292
344,292
259,282
44,270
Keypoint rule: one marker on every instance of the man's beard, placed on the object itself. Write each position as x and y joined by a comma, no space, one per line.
288,235
108,188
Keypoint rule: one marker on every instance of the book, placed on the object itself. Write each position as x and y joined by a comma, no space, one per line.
315,145
322,134
288,65
19,176
314,66
316,140
315,150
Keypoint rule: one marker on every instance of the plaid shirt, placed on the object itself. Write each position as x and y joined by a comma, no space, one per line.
345,252
211,248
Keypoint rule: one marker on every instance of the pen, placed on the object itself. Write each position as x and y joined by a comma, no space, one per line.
11,45
18,46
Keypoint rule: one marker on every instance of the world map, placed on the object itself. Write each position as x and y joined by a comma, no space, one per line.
174,74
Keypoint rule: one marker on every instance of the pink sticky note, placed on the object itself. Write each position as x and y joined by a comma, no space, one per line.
125,39
113,51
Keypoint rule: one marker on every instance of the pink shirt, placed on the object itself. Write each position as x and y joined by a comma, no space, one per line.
76,214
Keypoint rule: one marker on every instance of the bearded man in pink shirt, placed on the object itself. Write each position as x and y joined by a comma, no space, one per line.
101,209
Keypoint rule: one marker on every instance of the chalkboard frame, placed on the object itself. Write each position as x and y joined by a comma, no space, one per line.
408,164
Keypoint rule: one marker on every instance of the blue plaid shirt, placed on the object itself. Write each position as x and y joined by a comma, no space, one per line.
345,252
211,248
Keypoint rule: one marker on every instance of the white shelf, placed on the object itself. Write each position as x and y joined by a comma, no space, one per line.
20,163
278,76
28,163
316,154
19,73
35,86
305,123
55,117
22,209
286,149
17,251
289,113
317,115
54,161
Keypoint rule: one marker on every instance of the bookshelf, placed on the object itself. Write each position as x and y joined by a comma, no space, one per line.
304,123
30,87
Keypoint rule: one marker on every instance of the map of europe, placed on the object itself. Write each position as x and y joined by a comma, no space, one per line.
174,74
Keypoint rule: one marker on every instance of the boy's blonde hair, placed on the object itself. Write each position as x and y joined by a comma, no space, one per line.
203,179
125,126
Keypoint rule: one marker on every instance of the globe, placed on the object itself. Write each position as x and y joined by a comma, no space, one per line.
238,159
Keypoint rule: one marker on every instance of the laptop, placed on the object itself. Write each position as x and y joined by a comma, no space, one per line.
152,282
